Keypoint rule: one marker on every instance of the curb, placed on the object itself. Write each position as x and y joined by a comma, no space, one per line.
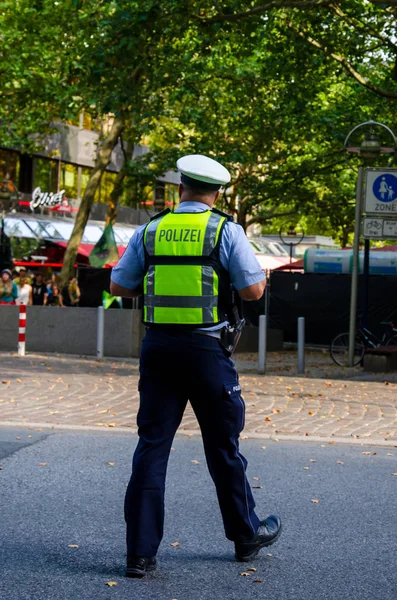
348,441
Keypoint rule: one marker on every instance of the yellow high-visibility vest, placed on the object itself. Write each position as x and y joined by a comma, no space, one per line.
184,273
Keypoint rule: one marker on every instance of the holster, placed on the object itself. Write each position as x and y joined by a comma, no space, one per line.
230,336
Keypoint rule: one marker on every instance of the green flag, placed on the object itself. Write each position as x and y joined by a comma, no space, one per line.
105,250
108,299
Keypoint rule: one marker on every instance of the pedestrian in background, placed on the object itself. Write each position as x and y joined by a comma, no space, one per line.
55,298
187,262
8,289
22,273
24,289
71,293
39,291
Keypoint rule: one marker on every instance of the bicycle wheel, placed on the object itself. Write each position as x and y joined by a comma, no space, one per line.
392,341
340,350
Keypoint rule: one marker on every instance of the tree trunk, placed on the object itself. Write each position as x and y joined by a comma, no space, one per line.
111,215
114,197
102,161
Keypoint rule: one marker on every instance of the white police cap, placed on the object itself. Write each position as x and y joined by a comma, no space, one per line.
204,169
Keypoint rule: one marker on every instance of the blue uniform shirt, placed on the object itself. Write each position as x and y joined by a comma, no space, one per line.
236,255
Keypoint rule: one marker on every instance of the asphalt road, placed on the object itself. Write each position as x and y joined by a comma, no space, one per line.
343,546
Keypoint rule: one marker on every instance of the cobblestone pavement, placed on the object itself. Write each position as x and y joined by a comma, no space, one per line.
330,402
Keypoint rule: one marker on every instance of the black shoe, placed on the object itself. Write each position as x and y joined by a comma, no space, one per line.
137,566
269,531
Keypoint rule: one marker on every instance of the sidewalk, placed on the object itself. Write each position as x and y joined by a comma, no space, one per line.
330,403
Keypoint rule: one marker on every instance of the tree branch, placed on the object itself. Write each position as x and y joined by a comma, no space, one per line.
264,218
363,27
258,10
345,64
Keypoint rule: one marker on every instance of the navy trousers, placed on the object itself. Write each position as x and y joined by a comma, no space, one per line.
175,369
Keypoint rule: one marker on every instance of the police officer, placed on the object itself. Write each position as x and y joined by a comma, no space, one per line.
186,263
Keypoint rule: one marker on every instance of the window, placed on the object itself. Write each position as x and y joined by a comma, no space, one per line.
9,166
69,180
92,233
64,229
17,228
123,234
105,187
46,174
85,174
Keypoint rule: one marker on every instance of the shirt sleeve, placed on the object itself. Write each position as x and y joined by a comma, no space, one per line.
238,257
14,291
130,269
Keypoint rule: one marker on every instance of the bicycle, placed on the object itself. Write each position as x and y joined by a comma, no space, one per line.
364,339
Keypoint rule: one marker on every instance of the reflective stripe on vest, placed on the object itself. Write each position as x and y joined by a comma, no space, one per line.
182,293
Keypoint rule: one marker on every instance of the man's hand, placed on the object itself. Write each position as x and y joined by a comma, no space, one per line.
119,290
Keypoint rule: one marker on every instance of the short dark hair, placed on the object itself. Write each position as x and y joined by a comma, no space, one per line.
201,188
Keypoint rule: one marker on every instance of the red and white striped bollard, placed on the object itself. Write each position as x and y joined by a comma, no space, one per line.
22,330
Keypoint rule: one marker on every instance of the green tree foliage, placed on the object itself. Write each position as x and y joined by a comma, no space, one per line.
269,89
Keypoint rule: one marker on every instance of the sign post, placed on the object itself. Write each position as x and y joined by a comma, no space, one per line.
354,283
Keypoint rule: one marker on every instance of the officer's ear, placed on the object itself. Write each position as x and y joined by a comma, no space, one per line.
217,196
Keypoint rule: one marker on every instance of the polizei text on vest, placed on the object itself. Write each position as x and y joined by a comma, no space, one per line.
180,235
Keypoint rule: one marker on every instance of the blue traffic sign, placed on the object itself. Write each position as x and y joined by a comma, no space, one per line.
384,187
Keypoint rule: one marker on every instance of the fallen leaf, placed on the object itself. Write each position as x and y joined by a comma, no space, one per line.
29,436
110,424
268,419
6,382
310,412
339,462
253,569
18,438
258,580
196,462
175,544
306,468
389,454
315,501
102,412
257,487
256,478
19,380
394,474
172,449
73,546
275,410
366,453
312,460
374,453
111,464
245,574
42,464
263,447
269,554
111,583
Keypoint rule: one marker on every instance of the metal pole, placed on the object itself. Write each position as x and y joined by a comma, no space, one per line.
354,282
301,345
366,284
100,332
262,344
